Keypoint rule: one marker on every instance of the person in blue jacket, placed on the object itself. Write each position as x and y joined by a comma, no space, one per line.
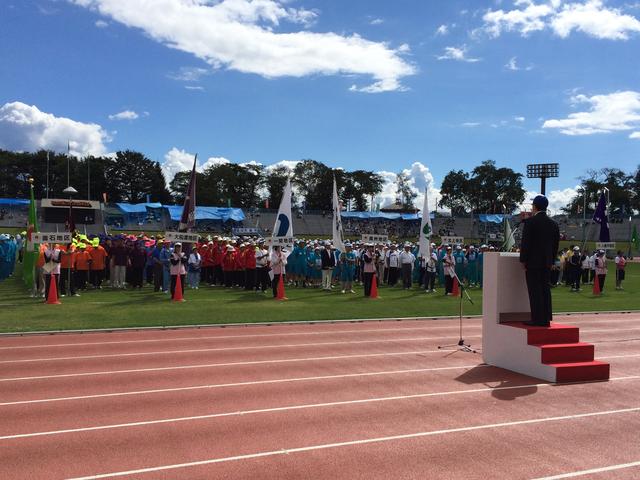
347,268
472,266
461,262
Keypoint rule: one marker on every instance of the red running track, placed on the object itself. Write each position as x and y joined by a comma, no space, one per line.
372,400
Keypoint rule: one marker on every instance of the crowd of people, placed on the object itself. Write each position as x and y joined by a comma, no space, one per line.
248,263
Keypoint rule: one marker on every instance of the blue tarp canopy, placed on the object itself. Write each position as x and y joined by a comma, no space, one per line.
137,207
208,213
383,215
495,218
13,202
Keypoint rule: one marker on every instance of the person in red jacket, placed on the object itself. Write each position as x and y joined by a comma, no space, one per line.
219,249
229,266
240,265
250,267
206,272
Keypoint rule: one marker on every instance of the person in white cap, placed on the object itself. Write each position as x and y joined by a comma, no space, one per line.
347,268
575,264
449,265
407,260
368,268
52,258
430,264
328,264
278,267
601,269
178,262
393,265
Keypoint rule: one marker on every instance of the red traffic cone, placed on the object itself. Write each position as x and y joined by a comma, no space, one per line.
280,293
456,289
596,286
374,287
52,298
177,294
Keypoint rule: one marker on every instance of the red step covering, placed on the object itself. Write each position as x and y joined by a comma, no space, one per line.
560,348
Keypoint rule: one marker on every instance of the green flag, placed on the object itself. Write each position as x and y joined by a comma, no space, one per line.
31,250
635,240
509,241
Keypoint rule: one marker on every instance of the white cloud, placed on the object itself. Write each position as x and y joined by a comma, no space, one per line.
618,111
635,135
557,199
442,30
519,119
290,164
595,20
419,177
376,21
189,74
25,128
590,17
471,124
176,160
194,87
458,54
240,35
512,65
101,24
125,115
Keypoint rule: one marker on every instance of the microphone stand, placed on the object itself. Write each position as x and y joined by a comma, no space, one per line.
461,345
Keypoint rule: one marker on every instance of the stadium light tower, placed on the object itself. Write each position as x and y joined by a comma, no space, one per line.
543,171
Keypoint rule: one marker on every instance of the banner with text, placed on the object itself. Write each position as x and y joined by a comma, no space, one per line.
181,237
452,240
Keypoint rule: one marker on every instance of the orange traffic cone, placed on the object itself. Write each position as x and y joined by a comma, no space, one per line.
596,286
456,289
177,295
374,287
280,293
52,298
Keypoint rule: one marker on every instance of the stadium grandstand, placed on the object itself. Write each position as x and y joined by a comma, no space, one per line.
95,218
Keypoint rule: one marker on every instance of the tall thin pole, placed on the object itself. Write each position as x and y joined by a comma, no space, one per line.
47,174
88,179
68,157
584,215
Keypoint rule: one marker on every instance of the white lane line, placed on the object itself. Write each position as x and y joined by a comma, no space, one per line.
335,332
225,349
231,364
357,442
225,337
239,384
212,365
580,473
259,382
286,409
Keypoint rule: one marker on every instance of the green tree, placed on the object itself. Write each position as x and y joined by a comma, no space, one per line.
405,195
315,182
622,188
275,181
132,176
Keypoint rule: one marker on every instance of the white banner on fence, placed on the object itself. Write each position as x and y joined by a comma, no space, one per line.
453,240
372,238
51,237
181,237
280,241
606,245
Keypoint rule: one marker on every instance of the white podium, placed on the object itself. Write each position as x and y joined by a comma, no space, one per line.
551,353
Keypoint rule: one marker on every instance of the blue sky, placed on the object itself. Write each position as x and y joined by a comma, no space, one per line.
422,86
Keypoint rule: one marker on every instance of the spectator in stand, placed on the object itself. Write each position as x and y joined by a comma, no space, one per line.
82,266
178,262
621,263
98,263
120,262
138,260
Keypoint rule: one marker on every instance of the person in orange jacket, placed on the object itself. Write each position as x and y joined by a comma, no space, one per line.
250,267
67,262
82,264
98,264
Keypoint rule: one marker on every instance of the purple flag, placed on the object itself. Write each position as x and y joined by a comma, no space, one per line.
188,218
600,216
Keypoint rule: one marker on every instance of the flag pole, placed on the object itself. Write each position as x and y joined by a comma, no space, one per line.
47,173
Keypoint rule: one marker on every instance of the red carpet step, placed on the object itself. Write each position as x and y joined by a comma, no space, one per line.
560,348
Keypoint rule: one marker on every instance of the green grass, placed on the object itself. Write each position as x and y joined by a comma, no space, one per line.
111,309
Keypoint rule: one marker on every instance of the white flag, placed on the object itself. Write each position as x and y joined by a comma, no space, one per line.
509,240
283,227
424,249
337,221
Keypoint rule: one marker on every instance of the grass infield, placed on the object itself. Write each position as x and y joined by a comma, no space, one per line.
107,308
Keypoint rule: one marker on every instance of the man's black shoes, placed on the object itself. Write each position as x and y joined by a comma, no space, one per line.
535,324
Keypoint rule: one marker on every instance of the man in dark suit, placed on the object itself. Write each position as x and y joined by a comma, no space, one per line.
328,264
538,249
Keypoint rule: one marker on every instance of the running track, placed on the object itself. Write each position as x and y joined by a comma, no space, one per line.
368,400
